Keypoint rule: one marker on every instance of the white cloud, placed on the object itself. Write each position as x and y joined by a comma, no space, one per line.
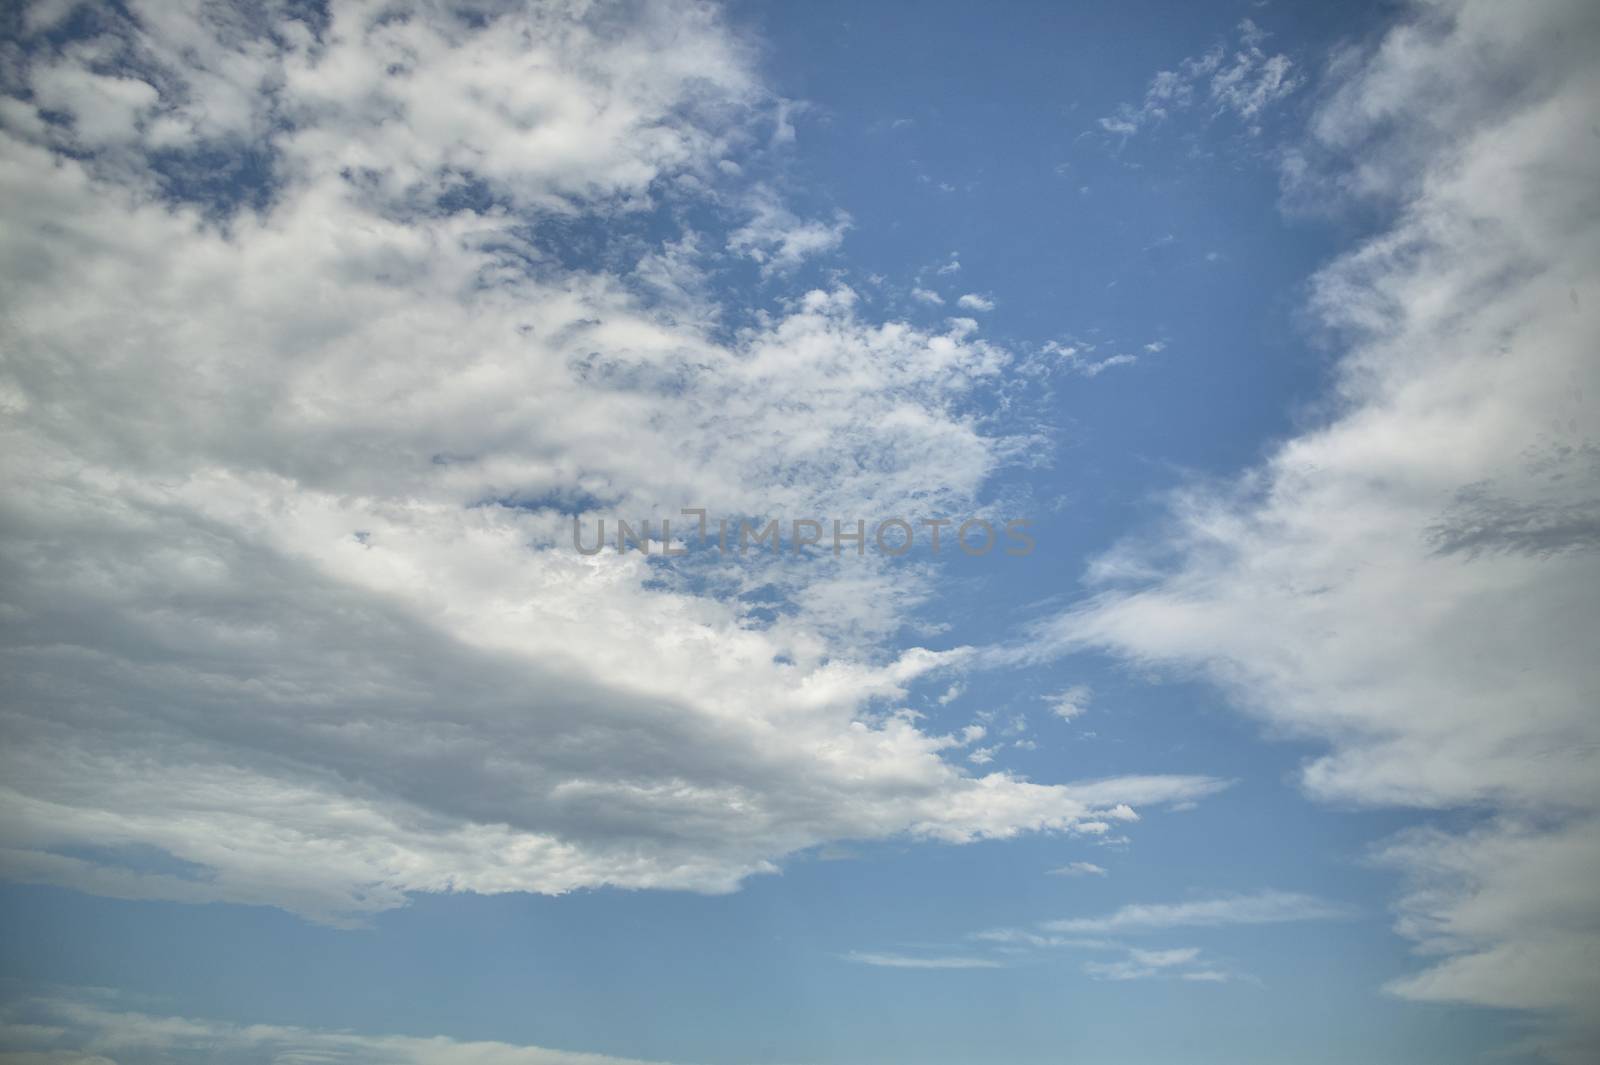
783,131
1145,964
927,296
1092,368
902,961
1412,582
1254,80
1017,937
1070,702
1206,976
1079,869
974,302
1134,963
1243,83
1266,907
1077,358
779,240
291,594
86,1030
1505,907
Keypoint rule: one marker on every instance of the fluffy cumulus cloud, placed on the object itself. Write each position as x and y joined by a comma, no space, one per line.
1413,581
318,332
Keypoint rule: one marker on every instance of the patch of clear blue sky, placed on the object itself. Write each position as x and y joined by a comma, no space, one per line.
940,128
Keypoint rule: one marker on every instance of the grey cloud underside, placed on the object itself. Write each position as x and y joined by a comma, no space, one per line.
1479,521
286,597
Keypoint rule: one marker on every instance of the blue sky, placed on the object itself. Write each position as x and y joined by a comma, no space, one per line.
323,324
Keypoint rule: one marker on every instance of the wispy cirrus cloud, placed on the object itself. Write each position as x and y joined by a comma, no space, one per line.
1079,869
1125,963
1265,907
90,1028
1178,963
1106,934
909,961
1241,80
1078,357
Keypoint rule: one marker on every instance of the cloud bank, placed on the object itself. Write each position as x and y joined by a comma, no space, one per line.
1413,580
318,333
85,1029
